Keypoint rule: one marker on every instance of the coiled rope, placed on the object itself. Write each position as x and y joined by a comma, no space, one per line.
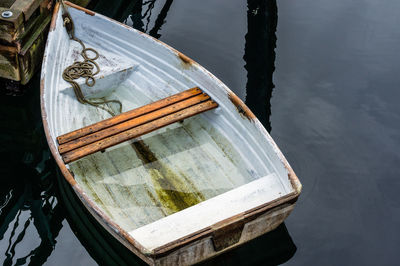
84,69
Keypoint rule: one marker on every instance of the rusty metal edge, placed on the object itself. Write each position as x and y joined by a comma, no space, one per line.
241,107
87,11
135,247
54,16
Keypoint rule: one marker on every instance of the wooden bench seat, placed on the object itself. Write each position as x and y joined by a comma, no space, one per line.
133,124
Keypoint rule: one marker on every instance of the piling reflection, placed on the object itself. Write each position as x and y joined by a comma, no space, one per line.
259,56
30,214
275,247
160,19
137,13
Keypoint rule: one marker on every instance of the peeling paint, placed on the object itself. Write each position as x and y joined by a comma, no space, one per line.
54,18
242,109
87,11
186,62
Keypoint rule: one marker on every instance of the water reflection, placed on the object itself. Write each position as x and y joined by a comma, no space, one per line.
29,203
273,248
160,19
259,56
143,11
30,211
30,214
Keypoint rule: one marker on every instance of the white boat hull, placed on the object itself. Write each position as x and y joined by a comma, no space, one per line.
181,194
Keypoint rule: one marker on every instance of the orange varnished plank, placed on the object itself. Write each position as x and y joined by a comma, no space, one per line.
148,117
128,115
137,131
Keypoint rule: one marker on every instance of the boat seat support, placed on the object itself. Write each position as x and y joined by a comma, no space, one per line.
132,124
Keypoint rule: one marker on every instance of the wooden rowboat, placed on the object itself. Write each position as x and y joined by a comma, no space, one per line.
181,174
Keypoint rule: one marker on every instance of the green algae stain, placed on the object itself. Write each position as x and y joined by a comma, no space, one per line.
167,184
84,183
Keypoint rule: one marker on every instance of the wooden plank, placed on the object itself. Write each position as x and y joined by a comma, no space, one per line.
26,31
9,63
7,3
128,115
110,131
31,54
137,131
26,6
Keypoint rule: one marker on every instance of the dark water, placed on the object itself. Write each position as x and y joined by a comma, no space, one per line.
329,94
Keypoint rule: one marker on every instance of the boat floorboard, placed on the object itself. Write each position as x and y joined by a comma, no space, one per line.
139,182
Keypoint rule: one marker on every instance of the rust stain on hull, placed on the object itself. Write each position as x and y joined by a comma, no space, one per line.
243,110
185,61
54,18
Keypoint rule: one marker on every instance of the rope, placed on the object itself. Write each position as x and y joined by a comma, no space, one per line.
84,69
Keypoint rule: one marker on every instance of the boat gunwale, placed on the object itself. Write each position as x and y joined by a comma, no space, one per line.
111,226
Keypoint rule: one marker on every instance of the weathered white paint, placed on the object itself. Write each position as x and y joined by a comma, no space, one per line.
114,71
203,248
208,212
226,160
